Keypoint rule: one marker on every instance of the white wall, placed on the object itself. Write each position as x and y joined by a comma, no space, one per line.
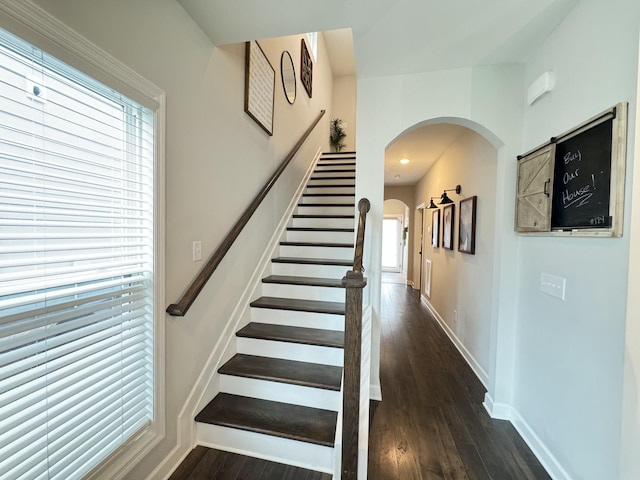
569,360
217,160
462,282
630,444
344,106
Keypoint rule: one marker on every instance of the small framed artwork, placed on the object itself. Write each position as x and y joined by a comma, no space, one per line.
306,68
447,226
467,228
435,228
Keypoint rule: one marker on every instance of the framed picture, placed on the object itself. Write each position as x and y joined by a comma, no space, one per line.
306,68
435,228
259,86
447,226
467,228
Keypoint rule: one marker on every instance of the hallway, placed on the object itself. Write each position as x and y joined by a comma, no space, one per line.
431,423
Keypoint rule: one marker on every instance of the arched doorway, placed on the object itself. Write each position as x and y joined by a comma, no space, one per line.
420,164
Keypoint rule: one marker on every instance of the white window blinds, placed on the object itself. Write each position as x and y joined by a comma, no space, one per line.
76,267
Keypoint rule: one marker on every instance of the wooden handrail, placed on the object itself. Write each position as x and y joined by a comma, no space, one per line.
354,282
179,309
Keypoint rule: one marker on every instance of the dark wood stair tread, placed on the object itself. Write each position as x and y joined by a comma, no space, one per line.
350,205
283,420
320,229
299,305
326,377
350,177
283,333
313,261
329,195
299,215
331,185
317,244
336,170
204,463
309,281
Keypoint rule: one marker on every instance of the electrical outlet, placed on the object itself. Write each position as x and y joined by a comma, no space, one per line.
197,251
553,285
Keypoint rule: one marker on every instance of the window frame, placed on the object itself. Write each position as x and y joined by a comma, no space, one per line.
36,26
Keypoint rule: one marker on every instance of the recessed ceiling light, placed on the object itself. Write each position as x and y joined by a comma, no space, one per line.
404,161
397,177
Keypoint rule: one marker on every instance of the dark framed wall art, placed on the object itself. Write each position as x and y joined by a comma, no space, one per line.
467,225
306,68
435,228
447,226
259,86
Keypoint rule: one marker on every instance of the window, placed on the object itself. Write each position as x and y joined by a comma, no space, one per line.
312,38
77,267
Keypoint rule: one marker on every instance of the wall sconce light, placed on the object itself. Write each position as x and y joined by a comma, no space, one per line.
431,204
445,200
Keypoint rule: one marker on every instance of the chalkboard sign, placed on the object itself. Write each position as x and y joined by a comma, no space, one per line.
573,185
582,179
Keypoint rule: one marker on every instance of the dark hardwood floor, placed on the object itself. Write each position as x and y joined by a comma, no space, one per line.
208,464
431,423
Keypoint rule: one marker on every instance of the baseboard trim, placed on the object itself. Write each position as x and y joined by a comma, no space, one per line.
502,411
466,354
539,449
499,411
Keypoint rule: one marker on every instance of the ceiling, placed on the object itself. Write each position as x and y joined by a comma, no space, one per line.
371,38
422,147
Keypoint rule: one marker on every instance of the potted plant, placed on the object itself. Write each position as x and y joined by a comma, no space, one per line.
336,135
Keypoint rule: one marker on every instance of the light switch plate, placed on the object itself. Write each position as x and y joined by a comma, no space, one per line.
553,285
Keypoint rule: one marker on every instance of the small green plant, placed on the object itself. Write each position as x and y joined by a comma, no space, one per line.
336,135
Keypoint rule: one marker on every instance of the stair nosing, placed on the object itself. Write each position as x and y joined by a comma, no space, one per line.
313,261
248,426
305,281
294,335
316,244
232,370
299,305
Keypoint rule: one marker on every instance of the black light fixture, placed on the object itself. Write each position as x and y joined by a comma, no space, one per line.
445,200
431,204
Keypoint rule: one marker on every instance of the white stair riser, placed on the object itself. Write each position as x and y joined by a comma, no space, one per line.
306,199
326,210
339,253
345,190
330,166
291,351
281,392
320,236
322,271
323,222
293,318
304,292
327,181
267,447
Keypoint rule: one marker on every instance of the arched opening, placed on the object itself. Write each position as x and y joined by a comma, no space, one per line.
455,284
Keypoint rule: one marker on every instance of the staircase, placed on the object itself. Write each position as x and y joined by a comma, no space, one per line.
280,393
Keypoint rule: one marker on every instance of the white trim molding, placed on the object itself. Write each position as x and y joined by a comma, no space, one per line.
466,354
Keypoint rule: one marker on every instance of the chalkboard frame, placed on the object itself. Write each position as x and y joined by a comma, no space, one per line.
618,114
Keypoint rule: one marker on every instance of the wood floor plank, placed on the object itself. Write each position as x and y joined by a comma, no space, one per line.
189,463
432,405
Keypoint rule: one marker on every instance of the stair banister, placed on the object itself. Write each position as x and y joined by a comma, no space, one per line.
354,283
179,309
